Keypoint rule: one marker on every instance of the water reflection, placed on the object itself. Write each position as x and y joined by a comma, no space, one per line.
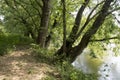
108,67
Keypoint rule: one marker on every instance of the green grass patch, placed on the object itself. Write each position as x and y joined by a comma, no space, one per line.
68,72
64,70
9,41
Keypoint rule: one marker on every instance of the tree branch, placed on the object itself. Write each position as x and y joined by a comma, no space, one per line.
77,23
118,8
38,4
77,50
29,14
104,39
32,4
89,19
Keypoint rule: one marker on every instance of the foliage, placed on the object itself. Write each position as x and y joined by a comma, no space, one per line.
42,54
67,72
8,42
89,23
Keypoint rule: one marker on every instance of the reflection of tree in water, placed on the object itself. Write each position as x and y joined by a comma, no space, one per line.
107,68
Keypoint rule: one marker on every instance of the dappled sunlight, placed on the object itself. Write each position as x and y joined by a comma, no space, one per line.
39,39
22,65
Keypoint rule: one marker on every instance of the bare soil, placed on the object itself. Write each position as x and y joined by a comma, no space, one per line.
22,65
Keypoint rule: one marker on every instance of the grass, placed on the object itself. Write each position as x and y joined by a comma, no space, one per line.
64,70
9,41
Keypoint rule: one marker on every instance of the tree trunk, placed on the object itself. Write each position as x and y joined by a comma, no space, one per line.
72,37
77,50
42,34
49,37
64,25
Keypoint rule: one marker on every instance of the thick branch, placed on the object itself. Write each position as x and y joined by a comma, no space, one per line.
76,26
77,50
89,19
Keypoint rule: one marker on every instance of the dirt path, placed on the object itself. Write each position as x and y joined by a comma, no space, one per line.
22,65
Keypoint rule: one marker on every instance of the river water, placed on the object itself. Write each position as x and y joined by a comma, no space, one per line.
108,68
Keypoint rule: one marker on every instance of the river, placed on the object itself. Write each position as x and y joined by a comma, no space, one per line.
108,67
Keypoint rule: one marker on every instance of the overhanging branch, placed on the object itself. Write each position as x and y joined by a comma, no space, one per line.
89,18
104,39
116,9
77,23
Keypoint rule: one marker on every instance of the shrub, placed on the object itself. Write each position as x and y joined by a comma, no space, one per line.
9,41
65,69
68,72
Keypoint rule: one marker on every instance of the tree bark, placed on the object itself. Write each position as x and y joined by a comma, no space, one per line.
72,37
64,25
42,34
77,50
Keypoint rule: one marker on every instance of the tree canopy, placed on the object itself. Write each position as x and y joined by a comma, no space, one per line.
68,25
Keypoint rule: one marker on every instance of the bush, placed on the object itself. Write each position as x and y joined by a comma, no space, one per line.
65,71
42,54
68,72
9,41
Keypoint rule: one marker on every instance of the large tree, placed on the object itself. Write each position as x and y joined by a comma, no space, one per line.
99,17
43,21
32,15
42,32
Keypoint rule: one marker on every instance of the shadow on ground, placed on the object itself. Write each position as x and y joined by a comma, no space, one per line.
21,64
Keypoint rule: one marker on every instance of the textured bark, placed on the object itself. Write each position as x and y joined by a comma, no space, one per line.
86,37
72,37
75,29
77,50
42,34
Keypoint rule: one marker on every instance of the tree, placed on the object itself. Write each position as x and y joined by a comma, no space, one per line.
33,15
46,20
42,34
99,19
18,13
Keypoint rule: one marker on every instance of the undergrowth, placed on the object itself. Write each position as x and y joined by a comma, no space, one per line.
8,42
65,71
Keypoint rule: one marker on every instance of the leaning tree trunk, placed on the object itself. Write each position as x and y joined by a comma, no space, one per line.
42,34
77,50
71,38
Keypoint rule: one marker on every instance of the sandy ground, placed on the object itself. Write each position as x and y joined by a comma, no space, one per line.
22,65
